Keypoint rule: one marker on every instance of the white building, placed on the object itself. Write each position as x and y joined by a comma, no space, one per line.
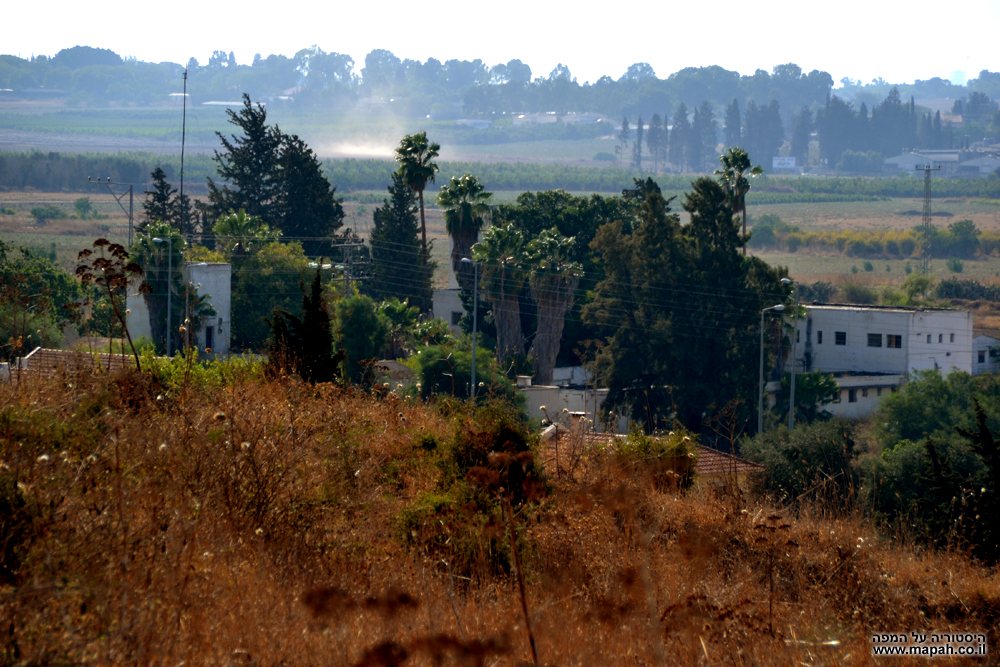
870,350
985,354
211,279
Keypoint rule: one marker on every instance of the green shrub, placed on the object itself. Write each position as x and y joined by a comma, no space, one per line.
670,457
955,265
815,461
859,294
604,156
869,267
42,214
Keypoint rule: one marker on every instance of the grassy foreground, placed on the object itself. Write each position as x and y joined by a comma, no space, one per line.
268,522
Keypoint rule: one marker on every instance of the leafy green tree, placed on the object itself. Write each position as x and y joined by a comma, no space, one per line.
262,282
415,156
160,203
359,336
400,319
466,205
624,135
964,238
158,258
553,279
736,168
447,369
500,255
239,235
396,250
813,390
36,298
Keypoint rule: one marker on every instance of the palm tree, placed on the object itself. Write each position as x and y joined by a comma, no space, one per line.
162,260
415,156
501,261
464,201
242,235
736,166
553,279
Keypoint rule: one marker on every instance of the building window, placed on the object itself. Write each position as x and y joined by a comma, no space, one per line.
894,341
836,397
982,356
456,317
819,337
864,392
940,338
840,338
952,338
892,390
852,395
928,340
878,391
209,337
798,337
874,340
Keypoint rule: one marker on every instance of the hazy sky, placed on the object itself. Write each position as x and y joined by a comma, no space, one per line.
851,38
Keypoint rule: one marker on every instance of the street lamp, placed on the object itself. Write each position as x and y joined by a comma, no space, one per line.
475,315
795,335
170,271
760,387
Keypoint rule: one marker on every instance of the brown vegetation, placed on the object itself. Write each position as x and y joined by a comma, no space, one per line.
273,522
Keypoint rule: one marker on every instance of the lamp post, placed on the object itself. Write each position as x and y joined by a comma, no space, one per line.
475,316
760,387
170,270
795,336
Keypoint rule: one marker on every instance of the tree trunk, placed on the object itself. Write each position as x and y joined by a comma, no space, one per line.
554,298
510,339
423,245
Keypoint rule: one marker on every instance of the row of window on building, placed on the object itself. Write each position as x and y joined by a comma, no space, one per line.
852,394
874,339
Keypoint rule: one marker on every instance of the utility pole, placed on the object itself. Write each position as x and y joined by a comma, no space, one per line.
925,253
183,137
118,198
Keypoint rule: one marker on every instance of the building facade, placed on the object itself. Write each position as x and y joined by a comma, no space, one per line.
871,350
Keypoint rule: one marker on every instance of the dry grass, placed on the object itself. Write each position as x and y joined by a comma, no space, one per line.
260,525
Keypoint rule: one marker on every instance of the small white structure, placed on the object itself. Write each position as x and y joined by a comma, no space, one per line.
870,350
211,279
985,354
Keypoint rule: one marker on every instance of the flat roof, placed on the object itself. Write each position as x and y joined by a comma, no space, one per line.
899,309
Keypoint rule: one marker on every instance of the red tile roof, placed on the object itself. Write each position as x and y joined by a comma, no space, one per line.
710,462
43,362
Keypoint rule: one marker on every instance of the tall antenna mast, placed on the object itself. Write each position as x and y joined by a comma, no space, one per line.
183,136
925,259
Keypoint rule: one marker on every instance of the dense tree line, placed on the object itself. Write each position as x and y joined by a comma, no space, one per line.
442,89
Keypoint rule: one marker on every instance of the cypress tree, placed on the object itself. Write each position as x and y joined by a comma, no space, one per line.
396,249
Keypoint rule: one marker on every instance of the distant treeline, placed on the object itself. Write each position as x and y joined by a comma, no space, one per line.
68,172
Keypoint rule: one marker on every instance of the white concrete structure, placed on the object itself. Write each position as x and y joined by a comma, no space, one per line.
447,306
210,279
871,350
985,354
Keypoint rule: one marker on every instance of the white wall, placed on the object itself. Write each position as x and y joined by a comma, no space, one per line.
946,355
950,346
446,302
990,364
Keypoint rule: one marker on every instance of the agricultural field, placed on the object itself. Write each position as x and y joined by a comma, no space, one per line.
890,213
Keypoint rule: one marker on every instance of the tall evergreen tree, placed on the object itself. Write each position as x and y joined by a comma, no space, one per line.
248,166
654,137
679,138
624,134
733,133
396,249
158,203
415,156
637,145
802,129
695,148
708,129
306,206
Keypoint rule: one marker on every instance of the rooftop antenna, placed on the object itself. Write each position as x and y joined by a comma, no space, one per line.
925,259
